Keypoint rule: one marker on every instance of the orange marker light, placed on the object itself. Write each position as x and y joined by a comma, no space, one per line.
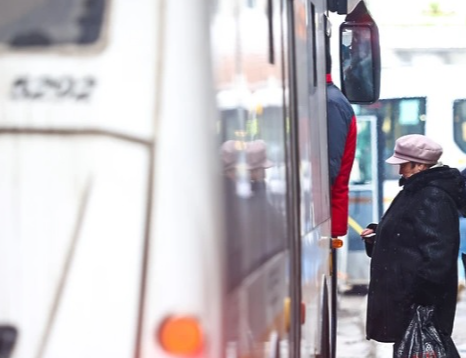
181,336
337,243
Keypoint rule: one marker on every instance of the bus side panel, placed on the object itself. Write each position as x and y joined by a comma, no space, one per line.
247,39
315,199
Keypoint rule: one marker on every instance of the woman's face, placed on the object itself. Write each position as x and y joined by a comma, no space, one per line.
408,169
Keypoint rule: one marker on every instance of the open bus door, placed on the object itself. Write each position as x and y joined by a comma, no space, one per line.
363,206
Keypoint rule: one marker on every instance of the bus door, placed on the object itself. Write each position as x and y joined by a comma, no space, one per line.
363,205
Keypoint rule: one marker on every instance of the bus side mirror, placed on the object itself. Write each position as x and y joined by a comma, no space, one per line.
360,57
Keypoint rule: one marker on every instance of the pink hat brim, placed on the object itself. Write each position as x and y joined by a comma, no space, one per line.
395,160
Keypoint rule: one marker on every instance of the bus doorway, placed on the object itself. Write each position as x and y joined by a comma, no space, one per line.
363,207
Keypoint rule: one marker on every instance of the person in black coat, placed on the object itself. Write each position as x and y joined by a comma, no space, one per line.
415,247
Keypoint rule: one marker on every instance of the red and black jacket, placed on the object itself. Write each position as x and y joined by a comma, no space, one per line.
342,135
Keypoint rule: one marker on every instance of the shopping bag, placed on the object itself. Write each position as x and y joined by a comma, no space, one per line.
421,339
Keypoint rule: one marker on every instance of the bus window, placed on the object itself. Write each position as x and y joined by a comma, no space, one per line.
362,167
363,205
459,129
28,23
256,214
232,125
397,117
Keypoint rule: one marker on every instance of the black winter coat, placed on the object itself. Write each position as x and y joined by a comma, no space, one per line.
414,257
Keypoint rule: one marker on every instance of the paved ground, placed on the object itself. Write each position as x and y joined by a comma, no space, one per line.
352,344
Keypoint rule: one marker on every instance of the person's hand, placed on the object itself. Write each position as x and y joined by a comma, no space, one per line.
368,235
366,232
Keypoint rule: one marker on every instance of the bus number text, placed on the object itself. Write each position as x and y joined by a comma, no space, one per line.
49,88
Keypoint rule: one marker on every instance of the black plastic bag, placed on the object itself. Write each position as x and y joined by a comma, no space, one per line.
422,340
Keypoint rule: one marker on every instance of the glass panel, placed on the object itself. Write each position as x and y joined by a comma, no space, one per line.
357,63
251,130
459,129
409,112
311,59
25,23
361,173
253,154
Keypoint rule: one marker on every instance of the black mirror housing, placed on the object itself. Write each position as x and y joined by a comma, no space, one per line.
360,57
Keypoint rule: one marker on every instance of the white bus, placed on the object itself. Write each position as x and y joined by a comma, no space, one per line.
119,236
410,104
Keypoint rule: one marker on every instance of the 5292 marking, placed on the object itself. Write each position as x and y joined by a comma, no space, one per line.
53,88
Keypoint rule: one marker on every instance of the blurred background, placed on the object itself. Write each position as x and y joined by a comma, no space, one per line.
423,45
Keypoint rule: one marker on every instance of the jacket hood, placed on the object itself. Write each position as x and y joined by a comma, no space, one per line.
445,178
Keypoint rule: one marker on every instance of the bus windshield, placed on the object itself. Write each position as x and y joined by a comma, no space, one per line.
396,117
32,23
